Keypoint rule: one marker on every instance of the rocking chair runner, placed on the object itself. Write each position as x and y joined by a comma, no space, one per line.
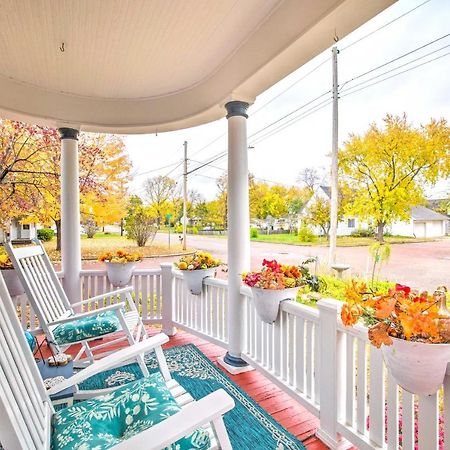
29,421
64,327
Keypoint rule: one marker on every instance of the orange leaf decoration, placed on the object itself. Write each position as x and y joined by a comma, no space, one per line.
384,307
378,335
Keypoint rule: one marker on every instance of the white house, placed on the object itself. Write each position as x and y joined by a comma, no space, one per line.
424,223
19,231
345,226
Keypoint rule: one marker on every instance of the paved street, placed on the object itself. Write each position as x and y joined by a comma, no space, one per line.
422,265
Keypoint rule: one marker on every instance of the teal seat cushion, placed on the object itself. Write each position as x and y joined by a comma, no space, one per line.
102,422
86,328
30,340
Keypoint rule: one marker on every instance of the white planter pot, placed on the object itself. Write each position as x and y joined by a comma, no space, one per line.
12,282
194,278
119,274
417,367
267,301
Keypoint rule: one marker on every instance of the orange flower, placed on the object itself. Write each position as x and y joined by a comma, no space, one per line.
350,314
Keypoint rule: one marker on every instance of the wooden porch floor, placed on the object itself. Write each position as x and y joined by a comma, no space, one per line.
286,411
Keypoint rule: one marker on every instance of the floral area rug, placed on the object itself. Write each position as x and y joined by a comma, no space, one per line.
248,425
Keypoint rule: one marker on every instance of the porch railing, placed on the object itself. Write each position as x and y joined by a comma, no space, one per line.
330,369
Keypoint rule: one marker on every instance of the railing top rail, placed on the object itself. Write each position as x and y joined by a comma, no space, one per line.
216,282
358,330
300,310
97,272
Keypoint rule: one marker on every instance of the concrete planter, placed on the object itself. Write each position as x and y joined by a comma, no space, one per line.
194,278
417,367
119,274
12,282
267,301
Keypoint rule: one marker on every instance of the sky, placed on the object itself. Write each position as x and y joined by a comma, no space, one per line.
422,93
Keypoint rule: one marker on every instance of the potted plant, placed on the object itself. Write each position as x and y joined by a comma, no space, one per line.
120,266
10,276
412,328
196,268
270,286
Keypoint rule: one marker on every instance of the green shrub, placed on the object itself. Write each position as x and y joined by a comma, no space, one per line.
179,229
305,234
335,287
253,233
363,233
194,230
45,234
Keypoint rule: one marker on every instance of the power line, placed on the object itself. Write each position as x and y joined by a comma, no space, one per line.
291,86
155,170
209,144
384,26
396,74
393,60
296,119
396,68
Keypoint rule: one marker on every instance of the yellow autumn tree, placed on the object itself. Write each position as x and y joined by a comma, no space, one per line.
388,168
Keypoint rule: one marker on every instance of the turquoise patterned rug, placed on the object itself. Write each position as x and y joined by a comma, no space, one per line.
248,425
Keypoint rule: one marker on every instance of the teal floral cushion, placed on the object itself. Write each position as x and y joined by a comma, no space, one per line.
102,422
86,328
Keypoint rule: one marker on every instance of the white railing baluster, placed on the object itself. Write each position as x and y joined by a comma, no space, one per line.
300,354
361,383
350,381
428,422
277,349
292,344
376,399
392,413
408,420
309,359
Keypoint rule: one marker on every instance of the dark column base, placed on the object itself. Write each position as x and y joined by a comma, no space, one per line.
233,361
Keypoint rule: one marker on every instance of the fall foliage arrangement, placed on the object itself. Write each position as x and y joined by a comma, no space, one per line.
402,313
274,276
120,257
197,261
5,263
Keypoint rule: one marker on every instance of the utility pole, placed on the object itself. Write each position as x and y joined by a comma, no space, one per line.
334,162
185,195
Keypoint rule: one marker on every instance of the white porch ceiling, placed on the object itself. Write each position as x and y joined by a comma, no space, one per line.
135,66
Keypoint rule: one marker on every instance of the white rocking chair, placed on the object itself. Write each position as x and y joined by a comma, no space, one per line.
56,314
27,414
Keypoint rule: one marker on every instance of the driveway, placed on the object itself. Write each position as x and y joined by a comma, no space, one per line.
423,265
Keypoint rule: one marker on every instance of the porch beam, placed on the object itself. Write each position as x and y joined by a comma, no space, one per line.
238,231
70,214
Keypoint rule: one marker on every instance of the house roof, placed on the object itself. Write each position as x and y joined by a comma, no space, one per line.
423,213
327,190
130,66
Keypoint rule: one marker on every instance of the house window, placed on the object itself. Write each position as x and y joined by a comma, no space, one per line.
351,223
25,226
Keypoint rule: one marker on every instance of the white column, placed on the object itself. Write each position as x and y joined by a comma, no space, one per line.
70,214
167,299
238,230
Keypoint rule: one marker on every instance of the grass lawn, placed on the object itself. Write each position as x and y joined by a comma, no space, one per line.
92,248
342,241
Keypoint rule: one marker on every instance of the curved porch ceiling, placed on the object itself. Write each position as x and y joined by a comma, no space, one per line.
139,66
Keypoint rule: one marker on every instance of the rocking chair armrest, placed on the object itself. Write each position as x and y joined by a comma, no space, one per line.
189,419
115,306
111,361
124,290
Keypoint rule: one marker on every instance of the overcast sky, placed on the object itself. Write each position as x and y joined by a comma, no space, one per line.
422,93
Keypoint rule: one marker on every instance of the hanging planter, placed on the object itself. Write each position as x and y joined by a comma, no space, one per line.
120,266
12,282
119,274
194,279
412,330
196,268
417,367
273,284
267,301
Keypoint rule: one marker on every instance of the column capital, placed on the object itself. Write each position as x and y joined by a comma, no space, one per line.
68,133
237,108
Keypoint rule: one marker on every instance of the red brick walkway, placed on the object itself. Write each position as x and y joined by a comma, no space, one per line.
290,414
